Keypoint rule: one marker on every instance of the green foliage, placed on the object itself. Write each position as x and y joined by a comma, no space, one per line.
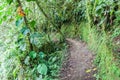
32,23
30,0
41,54
42,69
115,33
33,54
19,22
9,1
38,51
98,42
25,30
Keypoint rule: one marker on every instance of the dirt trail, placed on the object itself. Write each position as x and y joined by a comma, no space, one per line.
79,64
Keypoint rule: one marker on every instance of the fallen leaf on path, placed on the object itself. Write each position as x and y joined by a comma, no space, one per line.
94,69
89,70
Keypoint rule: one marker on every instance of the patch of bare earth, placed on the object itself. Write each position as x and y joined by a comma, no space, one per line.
79,65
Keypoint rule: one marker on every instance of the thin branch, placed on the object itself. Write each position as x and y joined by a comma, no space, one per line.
25,19
39,6
26,23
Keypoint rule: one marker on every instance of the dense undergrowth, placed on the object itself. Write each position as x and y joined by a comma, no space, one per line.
33,43
100,43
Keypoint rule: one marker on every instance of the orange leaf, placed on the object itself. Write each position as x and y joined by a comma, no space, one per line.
20,12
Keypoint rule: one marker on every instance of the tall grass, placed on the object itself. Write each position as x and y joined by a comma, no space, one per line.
98,42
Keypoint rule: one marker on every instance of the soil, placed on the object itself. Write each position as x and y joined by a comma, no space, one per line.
79,62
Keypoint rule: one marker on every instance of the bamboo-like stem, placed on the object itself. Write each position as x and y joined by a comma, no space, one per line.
25,19
26,23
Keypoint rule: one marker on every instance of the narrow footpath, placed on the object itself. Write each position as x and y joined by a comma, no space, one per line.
79,62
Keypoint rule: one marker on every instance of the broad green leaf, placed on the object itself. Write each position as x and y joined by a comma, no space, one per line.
1,21
1,13
36,34
23,47
32,23
39,78
25,30
9,1
36,38
54,59
19,22
33,54
15,72
42,69
27,59
41,54
4,18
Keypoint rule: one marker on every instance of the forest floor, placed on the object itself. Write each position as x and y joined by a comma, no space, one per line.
79,62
